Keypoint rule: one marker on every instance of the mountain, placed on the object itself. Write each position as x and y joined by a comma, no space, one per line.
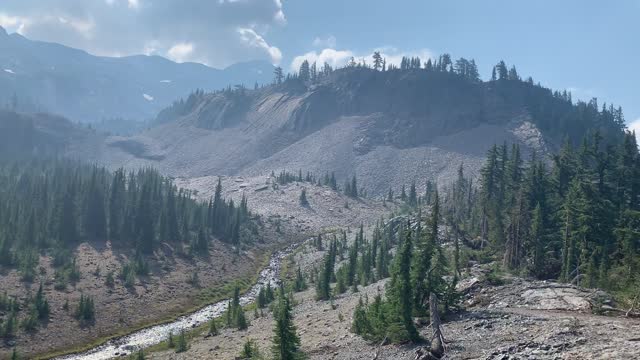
70,82
388,128
23,136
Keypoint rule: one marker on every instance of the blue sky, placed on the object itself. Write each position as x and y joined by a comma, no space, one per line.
589,47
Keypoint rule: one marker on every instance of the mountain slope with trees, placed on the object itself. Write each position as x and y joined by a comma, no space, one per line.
94,241
385,124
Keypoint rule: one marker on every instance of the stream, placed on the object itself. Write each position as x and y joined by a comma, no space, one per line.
128,344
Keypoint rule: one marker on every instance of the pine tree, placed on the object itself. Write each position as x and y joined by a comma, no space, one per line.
502,71
286,343
213,329
181,345
360,323
300,284
401,295
95,224
422,267
537,242
305,73
303,198
413,195
377,61
279,75
323,289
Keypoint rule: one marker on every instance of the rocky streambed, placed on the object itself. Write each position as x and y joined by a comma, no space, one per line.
144,338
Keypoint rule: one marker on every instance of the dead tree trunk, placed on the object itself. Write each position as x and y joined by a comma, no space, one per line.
437,340
437,348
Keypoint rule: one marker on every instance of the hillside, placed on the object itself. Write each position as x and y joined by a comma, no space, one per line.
140,247
40,76
389,127
42,135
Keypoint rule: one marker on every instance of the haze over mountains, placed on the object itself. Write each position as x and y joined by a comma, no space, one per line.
389,127
85,88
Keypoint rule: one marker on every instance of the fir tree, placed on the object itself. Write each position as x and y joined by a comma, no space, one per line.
401,295
286,343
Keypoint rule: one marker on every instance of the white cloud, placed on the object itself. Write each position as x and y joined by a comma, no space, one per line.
328,42
81,26
253,40
635,126
394,56
9,71
11,22
180,52
147,97
221,32
133,4
333,57
338,58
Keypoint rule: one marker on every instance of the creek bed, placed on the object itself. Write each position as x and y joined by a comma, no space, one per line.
128,344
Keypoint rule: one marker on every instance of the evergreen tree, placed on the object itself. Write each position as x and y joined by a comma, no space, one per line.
303,198
213,329
279,75
413,195
300,283
181,344
401,291
286,343
422,267
502,71
377,61
304,74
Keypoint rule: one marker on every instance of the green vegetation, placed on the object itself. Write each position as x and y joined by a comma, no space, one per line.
265,296
250,350
85,311
420,268
235,313
578,221
300,284
286,343
181,344
53,206
303,198
137,356
213,329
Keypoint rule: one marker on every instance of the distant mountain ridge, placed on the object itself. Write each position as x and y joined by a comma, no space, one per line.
388,128
82,87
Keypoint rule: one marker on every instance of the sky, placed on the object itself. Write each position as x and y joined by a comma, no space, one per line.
591,48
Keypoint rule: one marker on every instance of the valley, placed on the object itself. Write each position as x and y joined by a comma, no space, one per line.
394,205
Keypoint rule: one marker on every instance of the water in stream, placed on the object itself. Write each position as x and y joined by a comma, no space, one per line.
144,338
